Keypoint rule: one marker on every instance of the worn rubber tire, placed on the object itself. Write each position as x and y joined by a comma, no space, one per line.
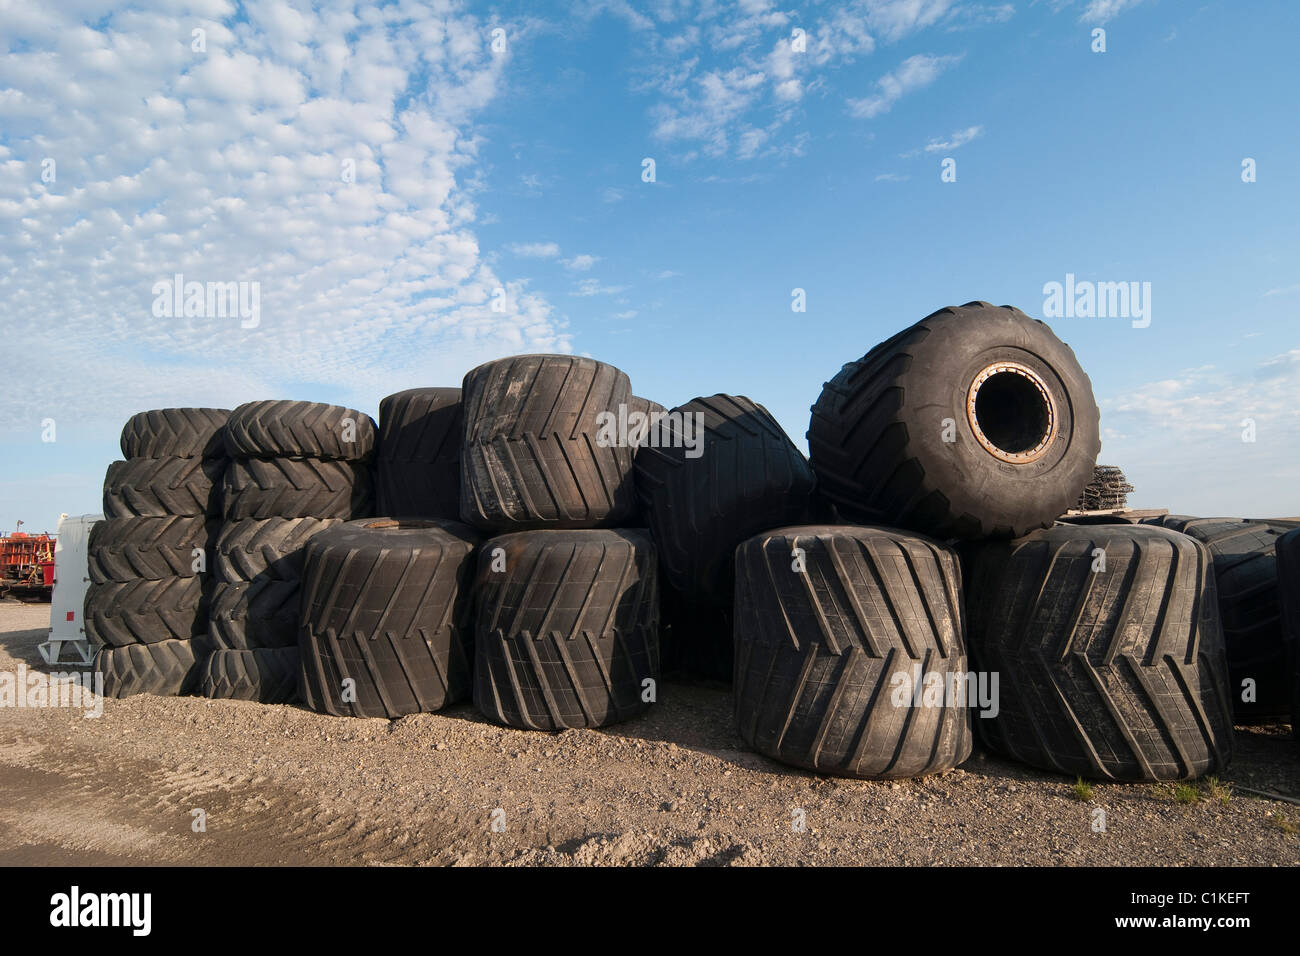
532,457
1288,587
417,462
156,487
296,488
256,615
877,431
748,477
1245,571
288,429
119,613
164,669
387,603
274,548
268,676
124,549
565,635
175,432
1115,675
818,651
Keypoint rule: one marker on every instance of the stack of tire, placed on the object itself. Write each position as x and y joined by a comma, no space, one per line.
385,623
296,469
147,604
566,602
974,425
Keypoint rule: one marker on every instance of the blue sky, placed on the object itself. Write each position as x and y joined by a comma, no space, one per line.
521,169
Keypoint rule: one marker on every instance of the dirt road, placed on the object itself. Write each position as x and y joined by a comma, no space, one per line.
279,784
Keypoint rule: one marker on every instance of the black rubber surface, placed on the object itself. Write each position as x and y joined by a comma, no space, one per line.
288,429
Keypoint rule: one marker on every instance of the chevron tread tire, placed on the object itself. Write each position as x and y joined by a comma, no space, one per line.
253,548
1246,575
175,432
255,615
417,463
532,456
567,633
818,651
157,487
296,488
387,603
267,676
1116,674
1288,586
288,429
120,613
747,477
124,549
977,421
164,669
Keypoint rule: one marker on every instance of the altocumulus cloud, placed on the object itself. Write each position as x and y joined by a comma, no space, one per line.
321,151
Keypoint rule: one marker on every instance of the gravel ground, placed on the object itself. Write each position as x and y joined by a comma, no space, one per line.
193,781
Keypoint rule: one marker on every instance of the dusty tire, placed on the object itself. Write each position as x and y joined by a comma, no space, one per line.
253,616
532,456
1246,575
124,549
1008,392
296,488
386,603
1117,674
175,432
268,676
287,429
157,487
819,651
165,669
567,633
272,548
417,462
1288,587
119,613
746,478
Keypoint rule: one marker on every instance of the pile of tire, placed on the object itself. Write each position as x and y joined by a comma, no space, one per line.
147,604
974,427
296,469
1288,584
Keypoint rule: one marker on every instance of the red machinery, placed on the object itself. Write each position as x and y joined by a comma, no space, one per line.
27,566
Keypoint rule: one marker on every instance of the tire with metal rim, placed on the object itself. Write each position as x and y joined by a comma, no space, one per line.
977,421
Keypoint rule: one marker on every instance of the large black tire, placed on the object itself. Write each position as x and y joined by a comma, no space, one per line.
745,477
1117,674
533,455
1245,570
156,487
268,676
386,603
1288,587
274,548
820,651
287,429
256,615
175,432
119,613
1010,396
165,669
417,464
296,488
124,549
567,634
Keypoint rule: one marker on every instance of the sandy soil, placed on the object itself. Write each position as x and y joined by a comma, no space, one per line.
280,784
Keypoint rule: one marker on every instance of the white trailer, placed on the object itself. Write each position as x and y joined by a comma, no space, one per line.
71,579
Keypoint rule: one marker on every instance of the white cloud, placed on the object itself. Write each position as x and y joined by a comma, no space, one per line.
914,73
1284,290
535,250
892,178
1102,11
667,274
325,153
958,139
580,263
590,287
